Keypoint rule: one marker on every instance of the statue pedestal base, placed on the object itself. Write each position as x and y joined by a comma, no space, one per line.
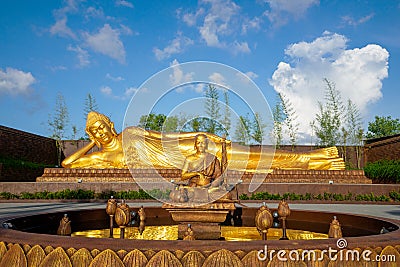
204,219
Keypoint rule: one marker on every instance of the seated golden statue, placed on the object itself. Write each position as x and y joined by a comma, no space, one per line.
202,167
65,226
151,149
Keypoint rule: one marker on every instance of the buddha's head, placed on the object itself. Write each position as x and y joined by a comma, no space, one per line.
201,143
100,128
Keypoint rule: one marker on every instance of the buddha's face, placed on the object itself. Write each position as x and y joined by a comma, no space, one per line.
201,144
101,131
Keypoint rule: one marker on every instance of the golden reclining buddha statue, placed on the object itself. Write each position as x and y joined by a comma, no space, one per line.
139,148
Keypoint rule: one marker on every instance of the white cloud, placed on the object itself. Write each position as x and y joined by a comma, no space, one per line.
107,41
115,79
242,47
58,68
106,90
218,78
83,55
282,10
251,75
178,76
199,88
248,24
124,3
219,22
191,18
176,46
92,12
128,93
357,74
349,20
61,28
16,82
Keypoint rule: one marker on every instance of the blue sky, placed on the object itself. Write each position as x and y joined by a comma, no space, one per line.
109,48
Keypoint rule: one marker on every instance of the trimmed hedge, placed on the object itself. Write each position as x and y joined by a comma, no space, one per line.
393,196
20,163
158,194
88,194
383,171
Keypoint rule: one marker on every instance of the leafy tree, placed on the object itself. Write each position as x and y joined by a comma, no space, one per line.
353,123
194,125
243,130
171,124
359,147
212,110
312,126
291,120
279,118
58,122
90,105
258,129
328,121
325,129
352,132
152,121
383,126
227,114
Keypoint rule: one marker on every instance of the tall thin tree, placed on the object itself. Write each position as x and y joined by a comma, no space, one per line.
227,114
212,109
353,124
279,118
291,120
243,130
58,122
258,129
90,105
328,121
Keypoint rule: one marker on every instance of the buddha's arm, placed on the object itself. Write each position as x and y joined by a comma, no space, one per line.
187,174
68,162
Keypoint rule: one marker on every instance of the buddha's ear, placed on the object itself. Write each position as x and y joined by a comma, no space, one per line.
113,131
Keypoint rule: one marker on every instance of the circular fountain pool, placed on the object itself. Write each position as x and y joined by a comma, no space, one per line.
37,232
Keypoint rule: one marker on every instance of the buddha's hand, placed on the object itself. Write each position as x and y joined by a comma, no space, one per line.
218,139
92,143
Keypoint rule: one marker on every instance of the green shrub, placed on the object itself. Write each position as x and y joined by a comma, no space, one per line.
22,163
385,171
8,195
394,195
158,194
26,195
244,197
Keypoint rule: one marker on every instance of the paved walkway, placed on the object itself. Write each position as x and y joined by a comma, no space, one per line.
17,209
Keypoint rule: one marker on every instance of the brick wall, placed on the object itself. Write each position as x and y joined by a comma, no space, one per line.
382,148
28,147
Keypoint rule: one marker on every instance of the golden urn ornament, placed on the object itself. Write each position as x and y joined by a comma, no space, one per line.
110,210
111,206
263,220
283,212
142,218
122,217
